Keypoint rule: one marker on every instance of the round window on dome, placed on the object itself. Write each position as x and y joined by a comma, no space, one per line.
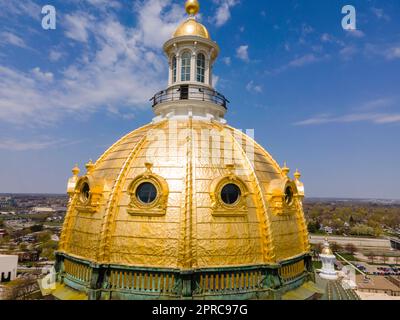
146,193
85,193
289,195
230,194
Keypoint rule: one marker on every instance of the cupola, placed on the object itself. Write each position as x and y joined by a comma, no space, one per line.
191,55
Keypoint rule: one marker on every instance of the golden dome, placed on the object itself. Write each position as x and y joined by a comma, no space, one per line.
188,226
192,28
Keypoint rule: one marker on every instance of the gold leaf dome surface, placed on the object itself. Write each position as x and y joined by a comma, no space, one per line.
191,27
190,233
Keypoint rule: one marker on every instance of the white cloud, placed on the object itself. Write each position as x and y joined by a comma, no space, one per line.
306,29
55,55
104,4
326,37
355,33
8,38
252,87
377,118
227,60
303,60
378,103
223,13
123,67
10,9
17,145
215,81
365,112
348,52
393,53
380,14
157,24
390,51
243,53
300,61
77,26
42,76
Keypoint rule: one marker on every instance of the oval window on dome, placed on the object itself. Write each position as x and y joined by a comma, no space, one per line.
230,194
146,193
85,192
289,195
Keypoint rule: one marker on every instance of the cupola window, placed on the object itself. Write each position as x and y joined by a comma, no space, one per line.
230,194
85,193
185,71
201,67
289,195
174,64
146,193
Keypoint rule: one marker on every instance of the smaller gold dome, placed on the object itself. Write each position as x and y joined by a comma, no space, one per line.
297,174
327,251
192,28
192,7
285,169
76,170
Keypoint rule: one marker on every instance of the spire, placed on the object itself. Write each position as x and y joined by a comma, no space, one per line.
327,248
297,174
285,169
192,7
76,170
89,166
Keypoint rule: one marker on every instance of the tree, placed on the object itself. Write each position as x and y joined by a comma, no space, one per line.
48,249
336,247
1,223
312,227
44,237
362,230
316,249
351,248
37,228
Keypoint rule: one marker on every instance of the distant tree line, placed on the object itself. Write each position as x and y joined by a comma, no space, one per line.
352,218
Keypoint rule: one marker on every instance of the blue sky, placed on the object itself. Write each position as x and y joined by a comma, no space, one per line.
324,99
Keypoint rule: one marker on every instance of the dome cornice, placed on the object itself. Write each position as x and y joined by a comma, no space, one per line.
191,40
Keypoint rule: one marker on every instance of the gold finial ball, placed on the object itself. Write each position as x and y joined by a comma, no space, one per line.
192,7
89,166
297,174
76,170
285,169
